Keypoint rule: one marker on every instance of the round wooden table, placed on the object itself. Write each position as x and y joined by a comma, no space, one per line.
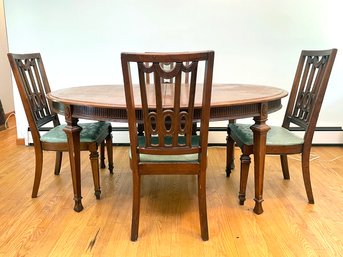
107,103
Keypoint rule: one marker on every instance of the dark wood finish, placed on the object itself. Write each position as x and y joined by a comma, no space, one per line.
309,86
107,102
168,120
33,85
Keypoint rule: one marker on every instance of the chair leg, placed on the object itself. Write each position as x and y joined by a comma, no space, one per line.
102,155
305,162
245,164
94,158
140,129
58,163
109,148
135,205
38,172
284,165
194,128
202,205
230,146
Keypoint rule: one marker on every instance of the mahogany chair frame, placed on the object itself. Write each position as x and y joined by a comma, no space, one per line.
171,120
33,85
305,101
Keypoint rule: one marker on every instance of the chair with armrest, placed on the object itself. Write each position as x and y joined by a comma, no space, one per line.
305,100
33,85
167,110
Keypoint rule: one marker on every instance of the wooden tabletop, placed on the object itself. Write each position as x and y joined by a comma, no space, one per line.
113,96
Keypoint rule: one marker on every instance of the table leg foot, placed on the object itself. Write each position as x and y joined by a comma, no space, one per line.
78,204
258,206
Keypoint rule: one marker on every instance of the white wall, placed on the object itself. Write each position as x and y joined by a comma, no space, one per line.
256,42
6,92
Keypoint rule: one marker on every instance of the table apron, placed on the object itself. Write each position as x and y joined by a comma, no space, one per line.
120,115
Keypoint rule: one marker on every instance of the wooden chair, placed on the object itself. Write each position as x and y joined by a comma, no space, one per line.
305,100
33,85
168,146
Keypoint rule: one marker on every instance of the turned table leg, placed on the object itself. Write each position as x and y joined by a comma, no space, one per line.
260,129
72,131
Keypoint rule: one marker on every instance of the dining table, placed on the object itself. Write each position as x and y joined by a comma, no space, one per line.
107,103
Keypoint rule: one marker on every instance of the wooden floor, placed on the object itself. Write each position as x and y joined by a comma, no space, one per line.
48,226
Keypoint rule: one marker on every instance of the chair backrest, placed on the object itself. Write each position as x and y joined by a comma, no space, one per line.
308,90
167,108
33,85
168,66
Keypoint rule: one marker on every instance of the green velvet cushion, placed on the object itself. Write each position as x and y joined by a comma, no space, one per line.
275,136
89,133
168,158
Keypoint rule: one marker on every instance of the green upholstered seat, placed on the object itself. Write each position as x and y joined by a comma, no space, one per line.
90,132
275,136
168,158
